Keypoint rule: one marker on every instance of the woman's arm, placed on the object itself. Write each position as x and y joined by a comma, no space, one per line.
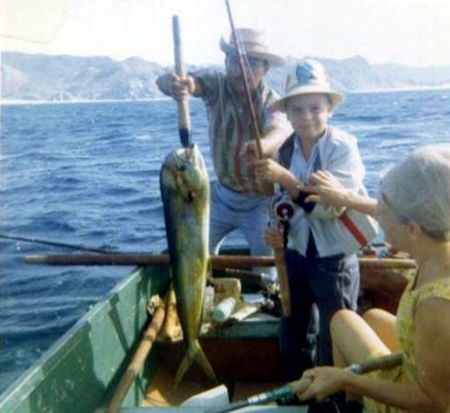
431,393
324,188
341,158
329,380
407,396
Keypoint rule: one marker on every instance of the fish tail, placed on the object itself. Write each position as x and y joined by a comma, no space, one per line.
194,352
204,363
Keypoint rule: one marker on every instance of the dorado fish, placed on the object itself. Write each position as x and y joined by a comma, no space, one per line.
185,193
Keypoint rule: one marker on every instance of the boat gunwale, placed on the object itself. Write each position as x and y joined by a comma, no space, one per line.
30,379
22,387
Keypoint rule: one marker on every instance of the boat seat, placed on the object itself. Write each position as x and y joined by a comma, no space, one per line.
256,326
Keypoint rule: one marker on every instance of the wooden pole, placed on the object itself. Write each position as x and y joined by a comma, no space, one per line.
217,261
184,122
138,359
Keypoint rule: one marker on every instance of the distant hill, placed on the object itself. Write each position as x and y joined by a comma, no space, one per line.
357,74
68,78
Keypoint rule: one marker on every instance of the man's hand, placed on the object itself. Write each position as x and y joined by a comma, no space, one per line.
182,87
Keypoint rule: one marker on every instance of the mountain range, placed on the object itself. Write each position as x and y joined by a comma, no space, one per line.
39,77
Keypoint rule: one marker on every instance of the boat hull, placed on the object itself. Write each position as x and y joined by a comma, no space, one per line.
80,371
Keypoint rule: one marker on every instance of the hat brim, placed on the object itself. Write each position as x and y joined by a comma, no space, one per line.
335,97
272,59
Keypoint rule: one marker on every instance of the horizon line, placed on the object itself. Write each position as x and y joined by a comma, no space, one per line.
117,59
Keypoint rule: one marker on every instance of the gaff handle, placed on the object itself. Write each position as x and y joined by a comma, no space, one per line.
184,121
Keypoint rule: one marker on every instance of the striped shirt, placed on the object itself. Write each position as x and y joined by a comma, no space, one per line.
229,127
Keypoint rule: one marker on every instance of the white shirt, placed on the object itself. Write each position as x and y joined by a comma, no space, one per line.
338,153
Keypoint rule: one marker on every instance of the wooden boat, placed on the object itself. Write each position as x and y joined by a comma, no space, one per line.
81,371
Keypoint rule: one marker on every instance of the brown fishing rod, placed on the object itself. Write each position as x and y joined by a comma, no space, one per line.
241,54
281,213
279,254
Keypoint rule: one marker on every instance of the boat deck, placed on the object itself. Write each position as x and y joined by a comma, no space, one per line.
162,394
244,356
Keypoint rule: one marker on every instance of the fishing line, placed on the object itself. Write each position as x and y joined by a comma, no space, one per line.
56,244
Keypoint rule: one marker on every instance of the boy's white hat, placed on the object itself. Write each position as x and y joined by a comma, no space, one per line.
309,76
254,43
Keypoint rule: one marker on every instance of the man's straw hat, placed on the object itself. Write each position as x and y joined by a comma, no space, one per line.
254,44
309,76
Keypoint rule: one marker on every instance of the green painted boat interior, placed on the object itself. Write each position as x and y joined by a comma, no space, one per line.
81,370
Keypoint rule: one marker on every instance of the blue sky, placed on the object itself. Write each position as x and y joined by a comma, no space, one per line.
412,32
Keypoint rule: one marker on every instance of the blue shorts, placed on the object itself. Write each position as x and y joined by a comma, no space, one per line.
231,210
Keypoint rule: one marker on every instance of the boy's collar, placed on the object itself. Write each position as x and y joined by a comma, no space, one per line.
297,138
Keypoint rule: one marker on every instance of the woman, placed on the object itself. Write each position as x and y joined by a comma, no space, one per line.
413,209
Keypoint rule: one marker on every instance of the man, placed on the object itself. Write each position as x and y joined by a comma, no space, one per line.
237,201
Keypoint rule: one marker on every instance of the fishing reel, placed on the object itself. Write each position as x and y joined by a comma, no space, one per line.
283,207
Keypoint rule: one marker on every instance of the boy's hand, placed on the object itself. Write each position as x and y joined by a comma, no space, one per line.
273,238
250,150
268,170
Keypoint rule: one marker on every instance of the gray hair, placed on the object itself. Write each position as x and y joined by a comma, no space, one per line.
418,189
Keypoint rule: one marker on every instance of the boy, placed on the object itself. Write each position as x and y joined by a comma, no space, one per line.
320,257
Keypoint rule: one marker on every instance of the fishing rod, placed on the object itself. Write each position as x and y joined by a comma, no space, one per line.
241,53
56,244
295,387
268,189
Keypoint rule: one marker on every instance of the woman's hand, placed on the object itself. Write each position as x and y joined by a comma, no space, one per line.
268,170
323,187
320,382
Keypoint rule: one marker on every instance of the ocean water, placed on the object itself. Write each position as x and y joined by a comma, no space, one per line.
88,174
